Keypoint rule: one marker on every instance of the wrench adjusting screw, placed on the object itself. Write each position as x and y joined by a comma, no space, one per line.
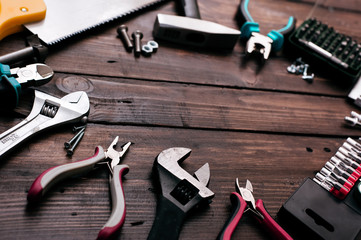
69,143
137,36
123,33
70,151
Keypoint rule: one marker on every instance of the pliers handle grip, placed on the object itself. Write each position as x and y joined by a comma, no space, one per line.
239,206
249,26
56,174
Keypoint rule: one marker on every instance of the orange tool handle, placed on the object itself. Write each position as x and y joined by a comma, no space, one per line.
13,14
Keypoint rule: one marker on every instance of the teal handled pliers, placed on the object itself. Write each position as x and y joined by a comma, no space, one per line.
258,43
13,80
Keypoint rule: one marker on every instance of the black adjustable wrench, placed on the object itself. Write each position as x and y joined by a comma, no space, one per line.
181,192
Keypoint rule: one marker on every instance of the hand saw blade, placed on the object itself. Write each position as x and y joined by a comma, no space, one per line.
67,18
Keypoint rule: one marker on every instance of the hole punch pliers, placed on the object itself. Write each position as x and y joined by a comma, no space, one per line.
258,43
111,157
13,80
242,201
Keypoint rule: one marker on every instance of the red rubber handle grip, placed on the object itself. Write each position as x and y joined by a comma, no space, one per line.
270,225
55,174
117,217
238,207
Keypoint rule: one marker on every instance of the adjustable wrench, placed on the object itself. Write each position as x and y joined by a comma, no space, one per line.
47,111
181,192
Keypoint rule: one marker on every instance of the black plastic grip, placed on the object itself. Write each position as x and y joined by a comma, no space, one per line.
168,221
189,8
8,94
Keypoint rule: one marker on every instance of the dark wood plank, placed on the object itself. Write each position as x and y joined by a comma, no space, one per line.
275,164
135,102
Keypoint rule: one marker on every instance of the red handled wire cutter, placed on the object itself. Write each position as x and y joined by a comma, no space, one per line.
242,201
111,157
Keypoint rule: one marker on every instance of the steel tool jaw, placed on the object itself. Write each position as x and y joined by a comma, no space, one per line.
246,193
260,44
34,74
203,174
178,186
114,155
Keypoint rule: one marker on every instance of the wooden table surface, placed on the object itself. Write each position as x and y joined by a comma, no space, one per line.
246,121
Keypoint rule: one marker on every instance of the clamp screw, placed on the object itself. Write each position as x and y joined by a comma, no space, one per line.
137,36
123,33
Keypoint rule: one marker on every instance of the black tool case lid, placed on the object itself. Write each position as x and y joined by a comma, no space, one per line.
315,213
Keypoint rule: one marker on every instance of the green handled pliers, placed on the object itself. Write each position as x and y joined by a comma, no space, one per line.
13,80
257,42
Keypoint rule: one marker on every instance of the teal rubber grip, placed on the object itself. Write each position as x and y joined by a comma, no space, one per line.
247,29
10,88
277,38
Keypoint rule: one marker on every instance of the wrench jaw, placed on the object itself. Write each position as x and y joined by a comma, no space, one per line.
177,185
181,193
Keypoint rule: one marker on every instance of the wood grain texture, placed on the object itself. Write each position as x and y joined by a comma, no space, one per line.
246,121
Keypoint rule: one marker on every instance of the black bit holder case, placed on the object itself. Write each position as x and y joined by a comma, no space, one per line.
317,214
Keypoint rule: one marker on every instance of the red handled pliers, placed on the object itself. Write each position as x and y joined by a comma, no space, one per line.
111,157
242,201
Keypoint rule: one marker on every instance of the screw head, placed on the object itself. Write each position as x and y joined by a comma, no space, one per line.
121,28
137,33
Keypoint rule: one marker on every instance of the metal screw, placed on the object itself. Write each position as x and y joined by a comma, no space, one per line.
123,33
137,36
70,151
75,128
308,78
69,143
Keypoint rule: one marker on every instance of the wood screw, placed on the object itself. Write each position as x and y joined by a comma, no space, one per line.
123,33
137,36
69,143
70,151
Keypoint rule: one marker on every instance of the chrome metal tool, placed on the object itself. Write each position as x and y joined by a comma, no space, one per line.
193,31
12,81
181,192
112,158
47,111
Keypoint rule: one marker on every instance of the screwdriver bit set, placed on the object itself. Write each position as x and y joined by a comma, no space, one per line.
325,43
329,205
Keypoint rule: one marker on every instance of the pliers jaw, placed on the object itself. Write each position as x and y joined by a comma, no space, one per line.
260,45
246,194
32,75
115,156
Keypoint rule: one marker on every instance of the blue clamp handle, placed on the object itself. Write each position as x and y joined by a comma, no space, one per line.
10,88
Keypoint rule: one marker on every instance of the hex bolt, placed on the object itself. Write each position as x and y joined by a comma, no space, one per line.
137,36
70,151
123,33
69,143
